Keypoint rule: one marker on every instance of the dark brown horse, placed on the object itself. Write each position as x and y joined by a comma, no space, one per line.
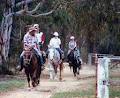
74,62
32,67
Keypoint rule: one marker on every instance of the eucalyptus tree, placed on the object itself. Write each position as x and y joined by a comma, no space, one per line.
13,8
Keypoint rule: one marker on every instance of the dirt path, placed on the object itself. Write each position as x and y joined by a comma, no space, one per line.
47,87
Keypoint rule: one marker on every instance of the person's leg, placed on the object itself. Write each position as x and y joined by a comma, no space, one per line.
41,60
60,51
44,56
47,52
40,46
20,66
68,55
40,56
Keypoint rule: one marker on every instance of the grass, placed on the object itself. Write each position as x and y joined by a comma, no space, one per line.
114,91
11,85
75,94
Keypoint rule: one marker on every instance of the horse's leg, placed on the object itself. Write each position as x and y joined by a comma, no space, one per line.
60,77
78,70
38,75
74,70
34,78
51,71
79,67
70,65
55,72
33,81
28,77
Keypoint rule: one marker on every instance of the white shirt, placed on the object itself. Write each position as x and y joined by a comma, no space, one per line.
72,45
30,41
39,36
55,42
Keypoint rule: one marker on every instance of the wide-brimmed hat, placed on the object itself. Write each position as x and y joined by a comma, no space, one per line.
32,29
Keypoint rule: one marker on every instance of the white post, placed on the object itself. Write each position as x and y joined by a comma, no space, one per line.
89,59
102,78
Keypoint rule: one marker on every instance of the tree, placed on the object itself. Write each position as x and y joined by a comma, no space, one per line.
9,12
15,8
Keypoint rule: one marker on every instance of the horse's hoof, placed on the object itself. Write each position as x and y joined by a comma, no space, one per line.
55,78
29,89
74,75
60,79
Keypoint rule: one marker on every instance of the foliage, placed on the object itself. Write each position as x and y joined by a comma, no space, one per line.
94,23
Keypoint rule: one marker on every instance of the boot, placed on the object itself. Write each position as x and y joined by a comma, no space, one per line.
20,66
41,63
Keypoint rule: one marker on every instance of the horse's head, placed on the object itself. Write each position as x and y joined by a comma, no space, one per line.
27,56
71,56
54,55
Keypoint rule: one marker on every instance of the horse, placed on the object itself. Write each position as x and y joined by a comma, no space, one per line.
32,67
54,62
74,61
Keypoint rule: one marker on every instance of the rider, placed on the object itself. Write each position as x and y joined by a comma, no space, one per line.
40,40
30,42
55,42
40,36
72,44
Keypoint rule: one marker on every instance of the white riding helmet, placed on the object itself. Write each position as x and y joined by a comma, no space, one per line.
72,37
56,34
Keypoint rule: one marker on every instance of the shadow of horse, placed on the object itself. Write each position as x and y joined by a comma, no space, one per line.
32,67
74,62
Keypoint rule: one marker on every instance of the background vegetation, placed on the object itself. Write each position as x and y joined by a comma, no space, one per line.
94,23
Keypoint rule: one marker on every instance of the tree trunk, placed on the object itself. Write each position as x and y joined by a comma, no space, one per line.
6,29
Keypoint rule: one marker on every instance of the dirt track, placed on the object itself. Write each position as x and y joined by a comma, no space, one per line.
47,87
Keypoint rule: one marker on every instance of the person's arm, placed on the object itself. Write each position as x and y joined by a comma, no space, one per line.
70,47
51,43
43,38
75,45
60,43
26,42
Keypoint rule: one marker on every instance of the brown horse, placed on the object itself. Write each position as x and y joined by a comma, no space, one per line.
32,67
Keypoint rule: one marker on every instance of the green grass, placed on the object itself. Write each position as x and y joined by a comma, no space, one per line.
75,94
88,93
114,92
11,85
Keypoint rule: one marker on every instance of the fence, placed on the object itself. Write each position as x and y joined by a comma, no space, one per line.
91,57
103,71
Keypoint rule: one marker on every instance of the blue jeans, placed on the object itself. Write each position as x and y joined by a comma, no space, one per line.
60,51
